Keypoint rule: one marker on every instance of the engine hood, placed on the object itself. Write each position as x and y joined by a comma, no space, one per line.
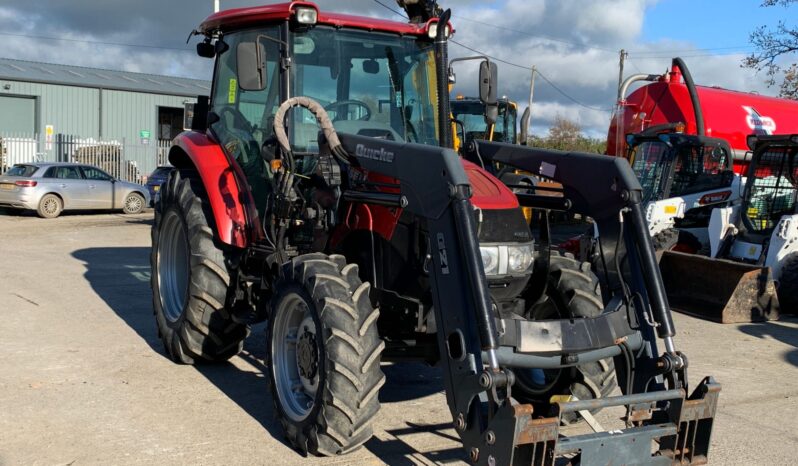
488,193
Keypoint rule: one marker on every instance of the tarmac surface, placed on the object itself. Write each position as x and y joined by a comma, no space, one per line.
84,380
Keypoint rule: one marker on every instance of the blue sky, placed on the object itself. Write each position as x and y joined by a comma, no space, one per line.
709,24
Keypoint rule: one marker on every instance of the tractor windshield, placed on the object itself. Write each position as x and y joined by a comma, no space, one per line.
373,84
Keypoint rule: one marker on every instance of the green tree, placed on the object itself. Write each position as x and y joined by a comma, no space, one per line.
567,135
772,44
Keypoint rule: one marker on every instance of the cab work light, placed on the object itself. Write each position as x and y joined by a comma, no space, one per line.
306,15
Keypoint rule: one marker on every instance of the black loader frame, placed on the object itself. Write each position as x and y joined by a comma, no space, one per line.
493,427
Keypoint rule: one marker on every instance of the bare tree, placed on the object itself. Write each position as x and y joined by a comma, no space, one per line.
772,44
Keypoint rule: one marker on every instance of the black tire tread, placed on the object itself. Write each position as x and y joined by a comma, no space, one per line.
579,288
788,285
352,348
205,331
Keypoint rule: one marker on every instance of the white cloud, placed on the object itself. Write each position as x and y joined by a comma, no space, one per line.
574,43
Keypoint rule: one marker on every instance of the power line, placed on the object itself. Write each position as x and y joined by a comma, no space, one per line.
537,71
394,10
537,36
116,44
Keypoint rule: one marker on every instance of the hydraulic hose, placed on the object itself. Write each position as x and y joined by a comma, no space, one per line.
441,69
688,81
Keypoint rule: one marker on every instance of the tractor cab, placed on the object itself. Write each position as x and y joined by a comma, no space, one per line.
468,114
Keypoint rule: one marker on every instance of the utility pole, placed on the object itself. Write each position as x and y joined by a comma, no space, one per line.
529,107
215,6
623,55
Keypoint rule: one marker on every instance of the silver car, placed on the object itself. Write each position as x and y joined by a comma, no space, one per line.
50,188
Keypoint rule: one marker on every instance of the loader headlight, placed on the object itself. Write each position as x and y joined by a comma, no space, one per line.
507,259
490,259
519,258
306,15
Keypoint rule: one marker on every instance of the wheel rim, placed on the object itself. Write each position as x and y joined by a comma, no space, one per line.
173,266
133,203
50,206
295,357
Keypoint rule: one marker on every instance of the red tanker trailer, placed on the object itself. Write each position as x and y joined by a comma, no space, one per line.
726,114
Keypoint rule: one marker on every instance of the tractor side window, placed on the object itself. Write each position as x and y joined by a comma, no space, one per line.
421,101
246,116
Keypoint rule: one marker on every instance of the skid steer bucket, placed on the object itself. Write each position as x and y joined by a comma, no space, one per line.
717,289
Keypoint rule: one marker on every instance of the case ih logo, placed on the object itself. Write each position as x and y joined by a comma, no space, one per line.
760,124
380,155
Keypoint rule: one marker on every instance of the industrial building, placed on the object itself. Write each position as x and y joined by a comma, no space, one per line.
43,106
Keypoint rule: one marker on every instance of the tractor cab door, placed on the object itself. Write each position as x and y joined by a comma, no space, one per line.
245,98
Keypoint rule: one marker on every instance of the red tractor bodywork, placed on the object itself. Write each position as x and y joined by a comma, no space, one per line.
729,115
243,17
233,207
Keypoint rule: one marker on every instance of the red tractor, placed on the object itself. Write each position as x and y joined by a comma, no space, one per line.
371,240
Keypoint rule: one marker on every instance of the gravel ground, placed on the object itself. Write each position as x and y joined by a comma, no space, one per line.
83,378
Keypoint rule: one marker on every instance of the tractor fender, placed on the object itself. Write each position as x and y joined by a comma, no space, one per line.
231,201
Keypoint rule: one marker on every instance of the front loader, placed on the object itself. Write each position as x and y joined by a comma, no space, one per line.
317,191
751,272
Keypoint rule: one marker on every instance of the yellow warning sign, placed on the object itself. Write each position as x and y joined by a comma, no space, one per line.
232,90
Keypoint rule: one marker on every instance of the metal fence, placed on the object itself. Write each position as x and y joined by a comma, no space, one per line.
119,158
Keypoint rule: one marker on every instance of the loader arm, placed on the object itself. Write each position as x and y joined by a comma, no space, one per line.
493,427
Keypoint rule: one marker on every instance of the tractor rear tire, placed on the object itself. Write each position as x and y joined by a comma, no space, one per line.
788,285
572,291
190,279
324,355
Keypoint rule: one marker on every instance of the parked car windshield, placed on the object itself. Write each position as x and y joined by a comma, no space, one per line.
161,172
22,170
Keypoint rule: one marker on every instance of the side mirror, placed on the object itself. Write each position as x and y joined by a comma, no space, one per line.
251,61
488,83
206,50
524,136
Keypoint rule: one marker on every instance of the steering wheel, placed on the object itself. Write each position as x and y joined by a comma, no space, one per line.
239,120
346,103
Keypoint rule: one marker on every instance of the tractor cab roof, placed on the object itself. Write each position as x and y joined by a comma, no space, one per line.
240,18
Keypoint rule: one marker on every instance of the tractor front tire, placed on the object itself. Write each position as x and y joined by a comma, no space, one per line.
788,285
572,291
324,355
190,279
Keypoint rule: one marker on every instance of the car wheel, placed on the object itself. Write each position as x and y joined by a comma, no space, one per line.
134,204
50,206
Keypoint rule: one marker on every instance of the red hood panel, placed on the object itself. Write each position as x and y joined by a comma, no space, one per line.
487,191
